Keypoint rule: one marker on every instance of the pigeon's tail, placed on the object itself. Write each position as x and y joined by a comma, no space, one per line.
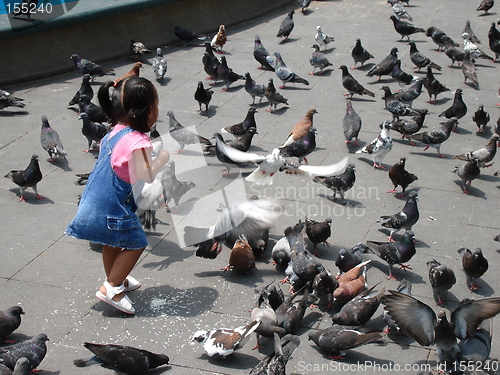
298,79
204,140
147,218
435,66
85,362
260,178
464,157
368,92
385,221
16,103
419,30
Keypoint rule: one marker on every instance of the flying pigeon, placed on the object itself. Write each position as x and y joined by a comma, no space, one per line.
398,252
226,74
254,89
89,67
481,118
10,320
91,130
124,359
286,26
322,39
28,177
404,219
285,74
385,66
182,135
468,172
262,56
379,147
219,39
318,60
420,60
442,278
50,140
436,137
484,154
34,350
405,29
360,309
474,265
401,177
84,90
138,49
433,86
360,54
203,96
339,184
273,96
159,65
7,100
352,85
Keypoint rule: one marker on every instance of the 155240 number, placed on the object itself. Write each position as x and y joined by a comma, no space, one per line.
29,7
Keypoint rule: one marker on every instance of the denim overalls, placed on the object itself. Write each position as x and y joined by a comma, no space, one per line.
106,214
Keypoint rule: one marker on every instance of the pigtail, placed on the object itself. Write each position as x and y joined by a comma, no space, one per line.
109,98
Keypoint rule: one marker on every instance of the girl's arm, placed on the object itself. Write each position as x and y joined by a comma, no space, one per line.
145,167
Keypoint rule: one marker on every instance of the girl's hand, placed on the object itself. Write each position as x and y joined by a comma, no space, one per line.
163,157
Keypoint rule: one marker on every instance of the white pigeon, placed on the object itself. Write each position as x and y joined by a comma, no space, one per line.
474,50
379,147
322,39
159,64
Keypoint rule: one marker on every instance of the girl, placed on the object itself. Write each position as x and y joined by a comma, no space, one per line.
106,214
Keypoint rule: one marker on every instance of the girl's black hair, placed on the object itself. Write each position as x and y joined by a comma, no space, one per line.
129,101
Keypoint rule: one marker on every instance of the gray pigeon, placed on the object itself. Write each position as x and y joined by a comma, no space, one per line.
440,38
351,124
242,127
182,135
226,74
419,59
50,140
436,137
21,367
409,93
442,278
485,6
286,26
159,64
348,259
405,288
396,106
339,184
484,154
94,132
281,250
301,147
476,349
401,77
89,67
404,219
7,100
33,350
290,314
410,126
28,177
262,56
469,70
385,66
472,36
399,10
254,89
273,96
379,147
468,172
124,359
85,89
318,60
285,74
360,309
10,320
352,85
275,362
360,54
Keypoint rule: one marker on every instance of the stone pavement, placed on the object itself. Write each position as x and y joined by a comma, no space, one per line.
54,277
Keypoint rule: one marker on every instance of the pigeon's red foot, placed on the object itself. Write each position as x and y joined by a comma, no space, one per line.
39,197
442,156
386,330
392,190
405,267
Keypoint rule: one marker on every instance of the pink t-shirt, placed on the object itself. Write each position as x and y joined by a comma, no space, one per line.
122,152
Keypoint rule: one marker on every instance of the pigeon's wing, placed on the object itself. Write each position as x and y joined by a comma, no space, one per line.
319,170
467,317
414,317
238,156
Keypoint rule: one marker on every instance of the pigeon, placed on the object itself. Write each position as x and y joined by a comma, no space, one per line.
242,143
408,94
182,135
474,265
405,29
351,283
481,118
476,349
301,128
226,74
34,350
10,320
124,359
359,54
400,177
93,111
433,86
244,217
50,140
404,219
352,85
399,76
472,36
185,35
384,67
264,313
254,89
302,147
7,100
399,10
203,96
493,31
285,74
334,340
469,70
420,60
379,147
172,187
273,96
290,314
242,257
396,106
275,362
318,231
474,50
318,60
410,126
28,177
159,65
468,172
241,128
339,184
420,322
286,26
222,342
485,6
273,295
360,309
262,56
322,39
281,250
325,283
455,54
133,72
348,259
91,130
85,89
304,5
494,40
21,367
89,67
442,279
351,124
138,49
484,154
210,63
398,252
436,137
404,287
219,39
440,38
